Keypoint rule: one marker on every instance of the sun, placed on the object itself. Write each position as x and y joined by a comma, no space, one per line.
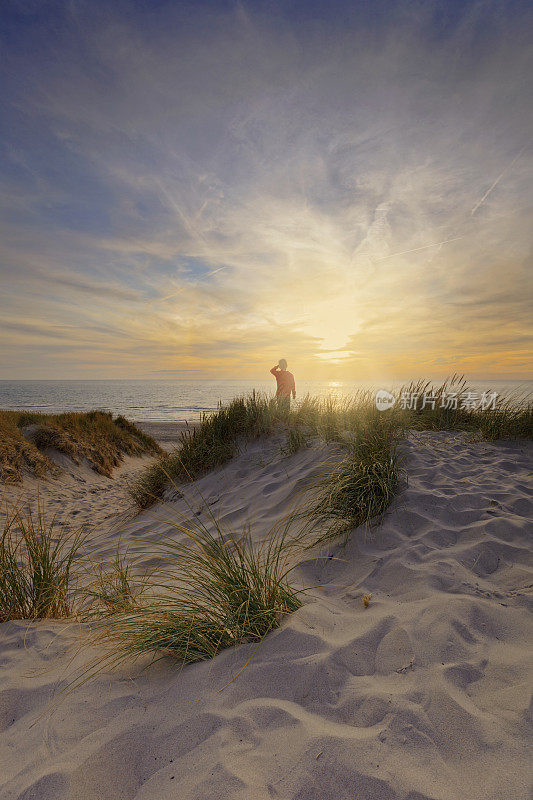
333,321
334,356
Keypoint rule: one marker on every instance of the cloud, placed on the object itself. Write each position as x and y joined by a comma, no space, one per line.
209,190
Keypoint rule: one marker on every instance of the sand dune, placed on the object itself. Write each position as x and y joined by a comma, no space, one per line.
424,694
80,496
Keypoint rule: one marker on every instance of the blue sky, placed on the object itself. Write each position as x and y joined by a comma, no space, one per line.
210,186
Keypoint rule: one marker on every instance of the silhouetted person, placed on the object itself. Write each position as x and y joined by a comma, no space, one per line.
285,384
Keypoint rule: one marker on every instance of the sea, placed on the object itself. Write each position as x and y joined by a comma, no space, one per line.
180,400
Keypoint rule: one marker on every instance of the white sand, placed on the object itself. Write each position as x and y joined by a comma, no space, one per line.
79,497
82,498
424,694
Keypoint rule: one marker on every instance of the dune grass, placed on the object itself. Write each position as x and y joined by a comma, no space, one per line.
214,590
296,440
17,455
211,444
217,590
37,574
508,418
357,490
94,436
360,488
216,439
114,587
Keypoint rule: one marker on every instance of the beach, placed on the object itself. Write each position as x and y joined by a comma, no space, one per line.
420,693
167,434
266,401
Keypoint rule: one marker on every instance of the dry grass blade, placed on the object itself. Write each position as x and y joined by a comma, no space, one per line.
115,587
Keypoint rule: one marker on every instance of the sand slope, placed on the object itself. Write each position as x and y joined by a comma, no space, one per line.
82,498
424,694
78,497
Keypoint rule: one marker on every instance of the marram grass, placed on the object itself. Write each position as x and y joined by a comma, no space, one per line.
37,566
215,590
353,493
511,417
217,438
211,444
212,591
114,586
94,436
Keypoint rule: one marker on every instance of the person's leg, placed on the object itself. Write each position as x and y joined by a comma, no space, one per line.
284,405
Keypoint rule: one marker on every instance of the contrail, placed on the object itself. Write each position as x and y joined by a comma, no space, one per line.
214,271
415,249
168,296
496,182
455,238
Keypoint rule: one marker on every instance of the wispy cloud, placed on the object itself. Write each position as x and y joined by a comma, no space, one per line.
212,190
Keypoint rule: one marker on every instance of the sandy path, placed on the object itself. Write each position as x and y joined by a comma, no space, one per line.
424,695
79,497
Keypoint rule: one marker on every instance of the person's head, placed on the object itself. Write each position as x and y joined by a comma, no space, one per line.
282,363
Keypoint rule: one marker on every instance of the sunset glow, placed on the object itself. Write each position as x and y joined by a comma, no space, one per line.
200,195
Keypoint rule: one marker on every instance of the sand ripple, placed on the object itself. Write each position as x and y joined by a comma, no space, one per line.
424,695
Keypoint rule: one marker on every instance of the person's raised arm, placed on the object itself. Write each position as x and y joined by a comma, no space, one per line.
275,369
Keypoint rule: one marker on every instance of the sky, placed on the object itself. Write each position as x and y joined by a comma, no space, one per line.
195,190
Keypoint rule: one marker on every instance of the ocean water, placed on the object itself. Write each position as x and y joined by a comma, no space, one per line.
177,400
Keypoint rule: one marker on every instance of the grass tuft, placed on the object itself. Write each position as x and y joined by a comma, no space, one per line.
296,440
359,488
17,455
114,589
36,566
213,591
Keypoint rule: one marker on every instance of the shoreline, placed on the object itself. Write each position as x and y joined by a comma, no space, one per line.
167,434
